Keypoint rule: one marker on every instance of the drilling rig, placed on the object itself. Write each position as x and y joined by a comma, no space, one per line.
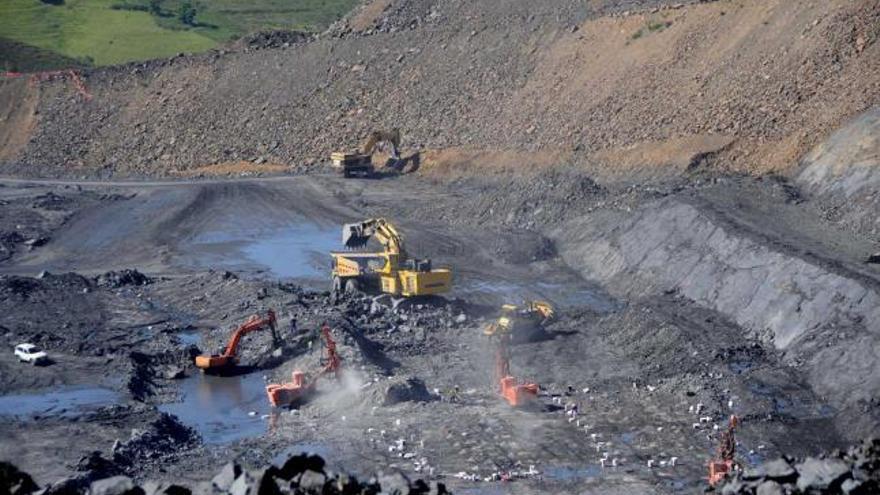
723,463
515,392
301,387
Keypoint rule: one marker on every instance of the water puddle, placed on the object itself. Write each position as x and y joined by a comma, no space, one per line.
67,403
569,473
190,338
560,295
293,251
220,407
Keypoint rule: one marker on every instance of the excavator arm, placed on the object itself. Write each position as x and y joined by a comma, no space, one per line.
253,324
218,362
392,137
356,235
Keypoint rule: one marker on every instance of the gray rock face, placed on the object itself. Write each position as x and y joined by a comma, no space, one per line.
821,474
844,172
854,471
730,265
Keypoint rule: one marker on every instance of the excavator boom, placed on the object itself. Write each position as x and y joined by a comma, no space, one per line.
392,137
214,362
356,235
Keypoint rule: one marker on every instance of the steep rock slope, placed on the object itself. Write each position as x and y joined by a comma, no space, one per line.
748,85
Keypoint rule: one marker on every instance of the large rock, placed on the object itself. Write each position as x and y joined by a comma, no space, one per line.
224,479
117,485
15,482
822,474
409,390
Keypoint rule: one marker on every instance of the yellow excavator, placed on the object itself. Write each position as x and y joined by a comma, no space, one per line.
361,162
390,271
521,323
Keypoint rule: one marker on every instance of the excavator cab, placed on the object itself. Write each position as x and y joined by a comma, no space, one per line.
522,323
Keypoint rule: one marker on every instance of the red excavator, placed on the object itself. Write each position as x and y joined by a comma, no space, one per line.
515,393
723,464
283,394
228,358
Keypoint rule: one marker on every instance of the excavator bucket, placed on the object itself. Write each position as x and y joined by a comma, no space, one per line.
354,235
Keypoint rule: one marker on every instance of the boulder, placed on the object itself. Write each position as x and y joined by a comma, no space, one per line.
410,390
116,485
821,474
226,476
15,482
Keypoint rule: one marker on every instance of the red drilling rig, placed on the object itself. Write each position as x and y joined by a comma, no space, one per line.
283,394
723,463
514,392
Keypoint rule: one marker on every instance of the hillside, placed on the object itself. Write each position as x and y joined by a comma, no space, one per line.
70,33
745,85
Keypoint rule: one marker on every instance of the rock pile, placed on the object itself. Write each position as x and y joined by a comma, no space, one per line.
300,474
122,278
856,471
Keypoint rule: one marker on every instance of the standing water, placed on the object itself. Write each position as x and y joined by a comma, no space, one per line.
222,408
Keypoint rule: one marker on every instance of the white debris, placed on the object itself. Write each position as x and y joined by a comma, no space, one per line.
673,461
409,455
614,462
397,422
691,409
252,413
662,463
761,447
659,428
586,390
730,403
651,388
715,427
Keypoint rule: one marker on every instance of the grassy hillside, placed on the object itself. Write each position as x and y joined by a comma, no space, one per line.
103,32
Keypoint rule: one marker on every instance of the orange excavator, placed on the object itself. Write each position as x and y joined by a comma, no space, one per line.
283,394
723,464
516,393
228,358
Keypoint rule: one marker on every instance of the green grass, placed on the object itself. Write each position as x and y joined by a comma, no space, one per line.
93,32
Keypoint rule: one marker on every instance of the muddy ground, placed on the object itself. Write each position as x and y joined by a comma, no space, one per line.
637,348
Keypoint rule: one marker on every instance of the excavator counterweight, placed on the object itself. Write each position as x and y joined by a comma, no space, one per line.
229,357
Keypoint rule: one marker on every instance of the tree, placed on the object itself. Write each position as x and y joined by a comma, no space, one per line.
187,13
155,7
